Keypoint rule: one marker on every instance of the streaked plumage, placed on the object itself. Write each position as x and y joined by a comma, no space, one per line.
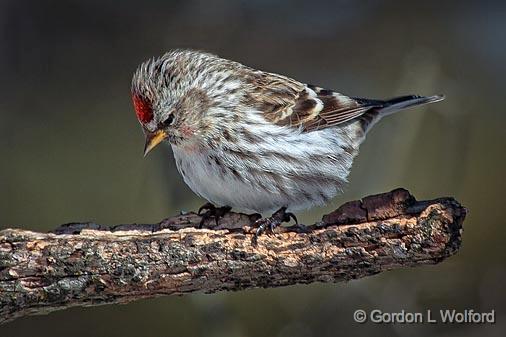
254,140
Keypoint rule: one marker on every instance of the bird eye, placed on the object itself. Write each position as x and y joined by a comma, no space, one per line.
168,121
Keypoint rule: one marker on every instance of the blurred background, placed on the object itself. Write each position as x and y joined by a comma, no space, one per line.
71,147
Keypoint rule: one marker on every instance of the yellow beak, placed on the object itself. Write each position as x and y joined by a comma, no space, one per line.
153,139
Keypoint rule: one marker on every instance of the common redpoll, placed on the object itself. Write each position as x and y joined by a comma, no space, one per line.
253,140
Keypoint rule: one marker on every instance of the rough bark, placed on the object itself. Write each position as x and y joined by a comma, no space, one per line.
88,264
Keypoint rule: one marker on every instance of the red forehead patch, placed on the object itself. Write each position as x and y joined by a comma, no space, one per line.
142,109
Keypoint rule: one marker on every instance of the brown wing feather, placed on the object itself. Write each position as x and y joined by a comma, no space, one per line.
287,102
337,109
272,94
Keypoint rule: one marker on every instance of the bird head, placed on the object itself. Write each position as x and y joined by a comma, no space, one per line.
171,99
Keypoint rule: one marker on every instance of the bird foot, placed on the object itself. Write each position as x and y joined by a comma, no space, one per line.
273,221
212,211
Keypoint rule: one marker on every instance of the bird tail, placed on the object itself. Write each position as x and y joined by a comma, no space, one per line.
403,102
382,108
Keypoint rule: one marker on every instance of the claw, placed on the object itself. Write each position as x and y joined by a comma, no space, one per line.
220,212
208,206
212,211
273,221
291,215
201,223
259,231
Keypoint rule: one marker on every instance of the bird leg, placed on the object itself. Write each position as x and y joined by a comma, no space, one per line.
212,211
274,220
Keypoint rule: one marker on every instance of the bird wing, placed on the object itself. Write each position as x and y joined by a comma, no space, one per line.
331,108
286,102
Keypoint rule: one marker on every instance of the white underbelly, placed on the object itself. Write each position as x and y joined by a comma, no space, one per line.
221,187
248,192
291,169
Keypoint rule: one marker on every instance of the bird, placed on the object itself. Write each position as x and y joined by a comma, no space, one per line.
253,140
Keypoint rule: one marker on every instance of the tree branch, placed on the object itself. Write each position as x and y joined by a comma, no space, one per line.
85,264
